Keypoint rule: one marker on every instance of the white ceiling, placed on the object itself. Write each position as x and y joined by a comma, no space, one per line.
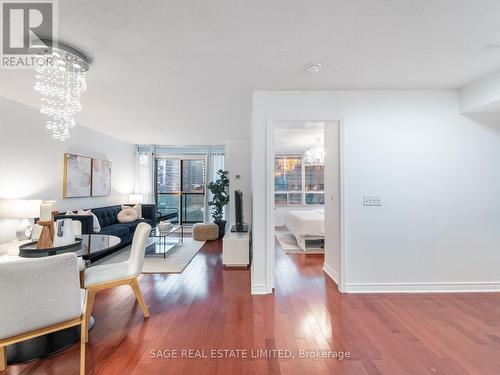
296,140
169,72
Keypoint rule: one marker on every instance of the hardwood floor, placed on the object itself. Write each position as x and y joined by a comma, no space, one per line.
207,307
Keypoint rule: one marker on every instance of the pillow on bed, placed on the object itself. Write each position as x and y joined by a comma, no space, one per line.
127,215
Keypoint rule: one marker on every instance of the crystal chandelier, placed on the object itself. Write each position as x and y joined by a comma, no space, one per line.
316,154
61,82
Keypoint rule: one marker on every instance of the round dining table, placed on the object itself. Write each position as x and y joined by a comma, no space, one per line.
88,246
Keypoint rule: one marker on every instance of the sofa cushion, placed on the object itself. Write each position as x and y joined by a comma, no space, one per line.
118,230
132,225
107,215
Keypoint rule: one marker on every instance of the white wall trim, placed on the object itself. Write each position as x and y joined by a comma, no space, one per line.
431,287
260,289
331,273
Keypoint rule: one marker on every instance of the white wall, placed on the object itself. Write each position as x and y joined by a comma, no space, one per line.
482,95
436,171
31,162
237,162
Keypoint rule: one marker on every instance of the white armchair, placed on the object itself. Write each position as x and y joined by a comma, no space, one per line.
122,273
51,300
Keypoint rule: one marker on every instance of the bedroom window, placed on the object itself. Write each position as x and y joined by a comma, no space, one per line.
297,183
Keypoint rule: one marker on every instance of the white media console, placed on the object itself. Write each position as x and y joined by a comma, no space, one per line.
236,249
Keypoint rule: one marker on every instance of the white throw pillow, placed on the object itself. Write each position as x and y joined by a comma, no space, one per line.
69,213
96,225
127,215
137,207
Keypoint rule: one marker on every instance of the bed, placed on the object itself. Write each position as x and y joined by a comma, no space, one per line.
306,225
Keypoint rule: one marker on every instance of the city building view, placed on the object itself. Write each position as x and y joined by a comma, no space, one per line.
183,197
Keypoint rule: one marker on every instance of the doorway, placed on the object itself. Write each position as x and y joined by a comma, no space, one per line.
304,194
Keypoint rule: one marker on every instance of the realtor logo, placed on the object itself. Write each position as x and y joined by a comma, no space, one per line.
23,25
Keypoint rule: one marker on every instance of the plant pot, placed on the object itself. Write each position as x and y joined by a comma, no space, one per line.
222,228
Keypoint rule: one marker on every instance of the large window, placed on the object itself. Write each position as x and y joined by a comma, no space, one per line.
180,189
297,183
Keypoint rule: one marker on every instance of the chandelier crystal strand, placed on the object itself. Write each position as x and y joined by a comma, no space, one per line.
315,155
61,82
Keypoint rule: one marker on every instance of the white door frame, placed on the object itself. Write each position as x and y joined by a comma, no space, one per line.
270,240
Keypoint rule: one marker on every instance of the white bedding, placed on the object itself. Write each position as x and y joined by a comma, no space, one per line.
306,223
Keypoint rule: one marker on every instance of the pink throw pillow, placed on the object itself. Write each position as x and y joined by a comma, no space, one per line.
127,215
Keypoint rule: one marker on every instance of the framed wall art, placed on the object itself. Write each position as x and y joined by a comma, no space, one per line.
101,177
77,176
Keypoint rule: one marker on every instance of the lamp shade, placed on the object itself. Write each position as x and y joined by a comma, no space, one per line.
135,198
20,208
53,203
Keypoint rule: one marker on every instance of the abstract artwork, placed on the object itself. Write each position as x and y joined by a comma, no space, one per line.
77,176
101,177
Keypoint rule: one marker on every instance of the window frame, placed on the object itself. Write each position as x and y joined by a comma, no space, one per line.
303,192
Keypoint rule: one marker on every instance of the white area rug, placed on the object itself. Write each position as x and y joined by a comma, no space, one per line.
176,260
289,244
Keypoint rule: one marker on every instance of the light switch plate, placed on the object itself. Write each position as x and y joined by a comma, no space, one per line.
372,200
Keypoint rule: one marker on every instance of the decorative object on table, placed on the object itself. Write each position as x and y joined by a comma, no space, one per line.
37,230
220,198
23,209
64,234
61,81
165,226
127,215
47,222
135,198
205,232
101,177
46,239
77,176
54,207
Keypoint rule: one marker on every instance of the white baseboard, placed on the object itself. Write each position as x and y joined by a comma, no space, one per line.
332,273
433,287
260,289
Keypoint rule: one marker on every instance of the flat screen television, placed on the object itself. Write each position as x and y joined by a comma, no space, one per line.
240,225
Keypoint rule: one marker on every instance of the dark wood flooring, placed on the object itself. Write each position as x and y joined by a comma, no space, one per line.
207,307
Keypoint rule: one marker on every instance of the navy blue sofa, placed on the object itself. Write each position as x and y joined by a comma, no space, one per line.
109,223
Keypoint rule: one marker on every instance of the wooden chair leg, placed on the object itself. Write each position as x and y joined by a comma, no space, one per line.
83,340
90,306
3,358
139,297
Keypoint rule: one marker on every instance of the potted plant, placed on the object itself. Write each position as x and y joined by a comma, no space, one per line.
220,198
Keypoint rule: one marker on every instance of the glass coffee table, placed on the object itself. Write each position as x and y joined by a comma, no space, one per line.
167,239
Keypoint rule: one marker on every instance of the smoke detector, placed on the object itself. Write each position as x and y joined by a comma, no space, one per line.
313,68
